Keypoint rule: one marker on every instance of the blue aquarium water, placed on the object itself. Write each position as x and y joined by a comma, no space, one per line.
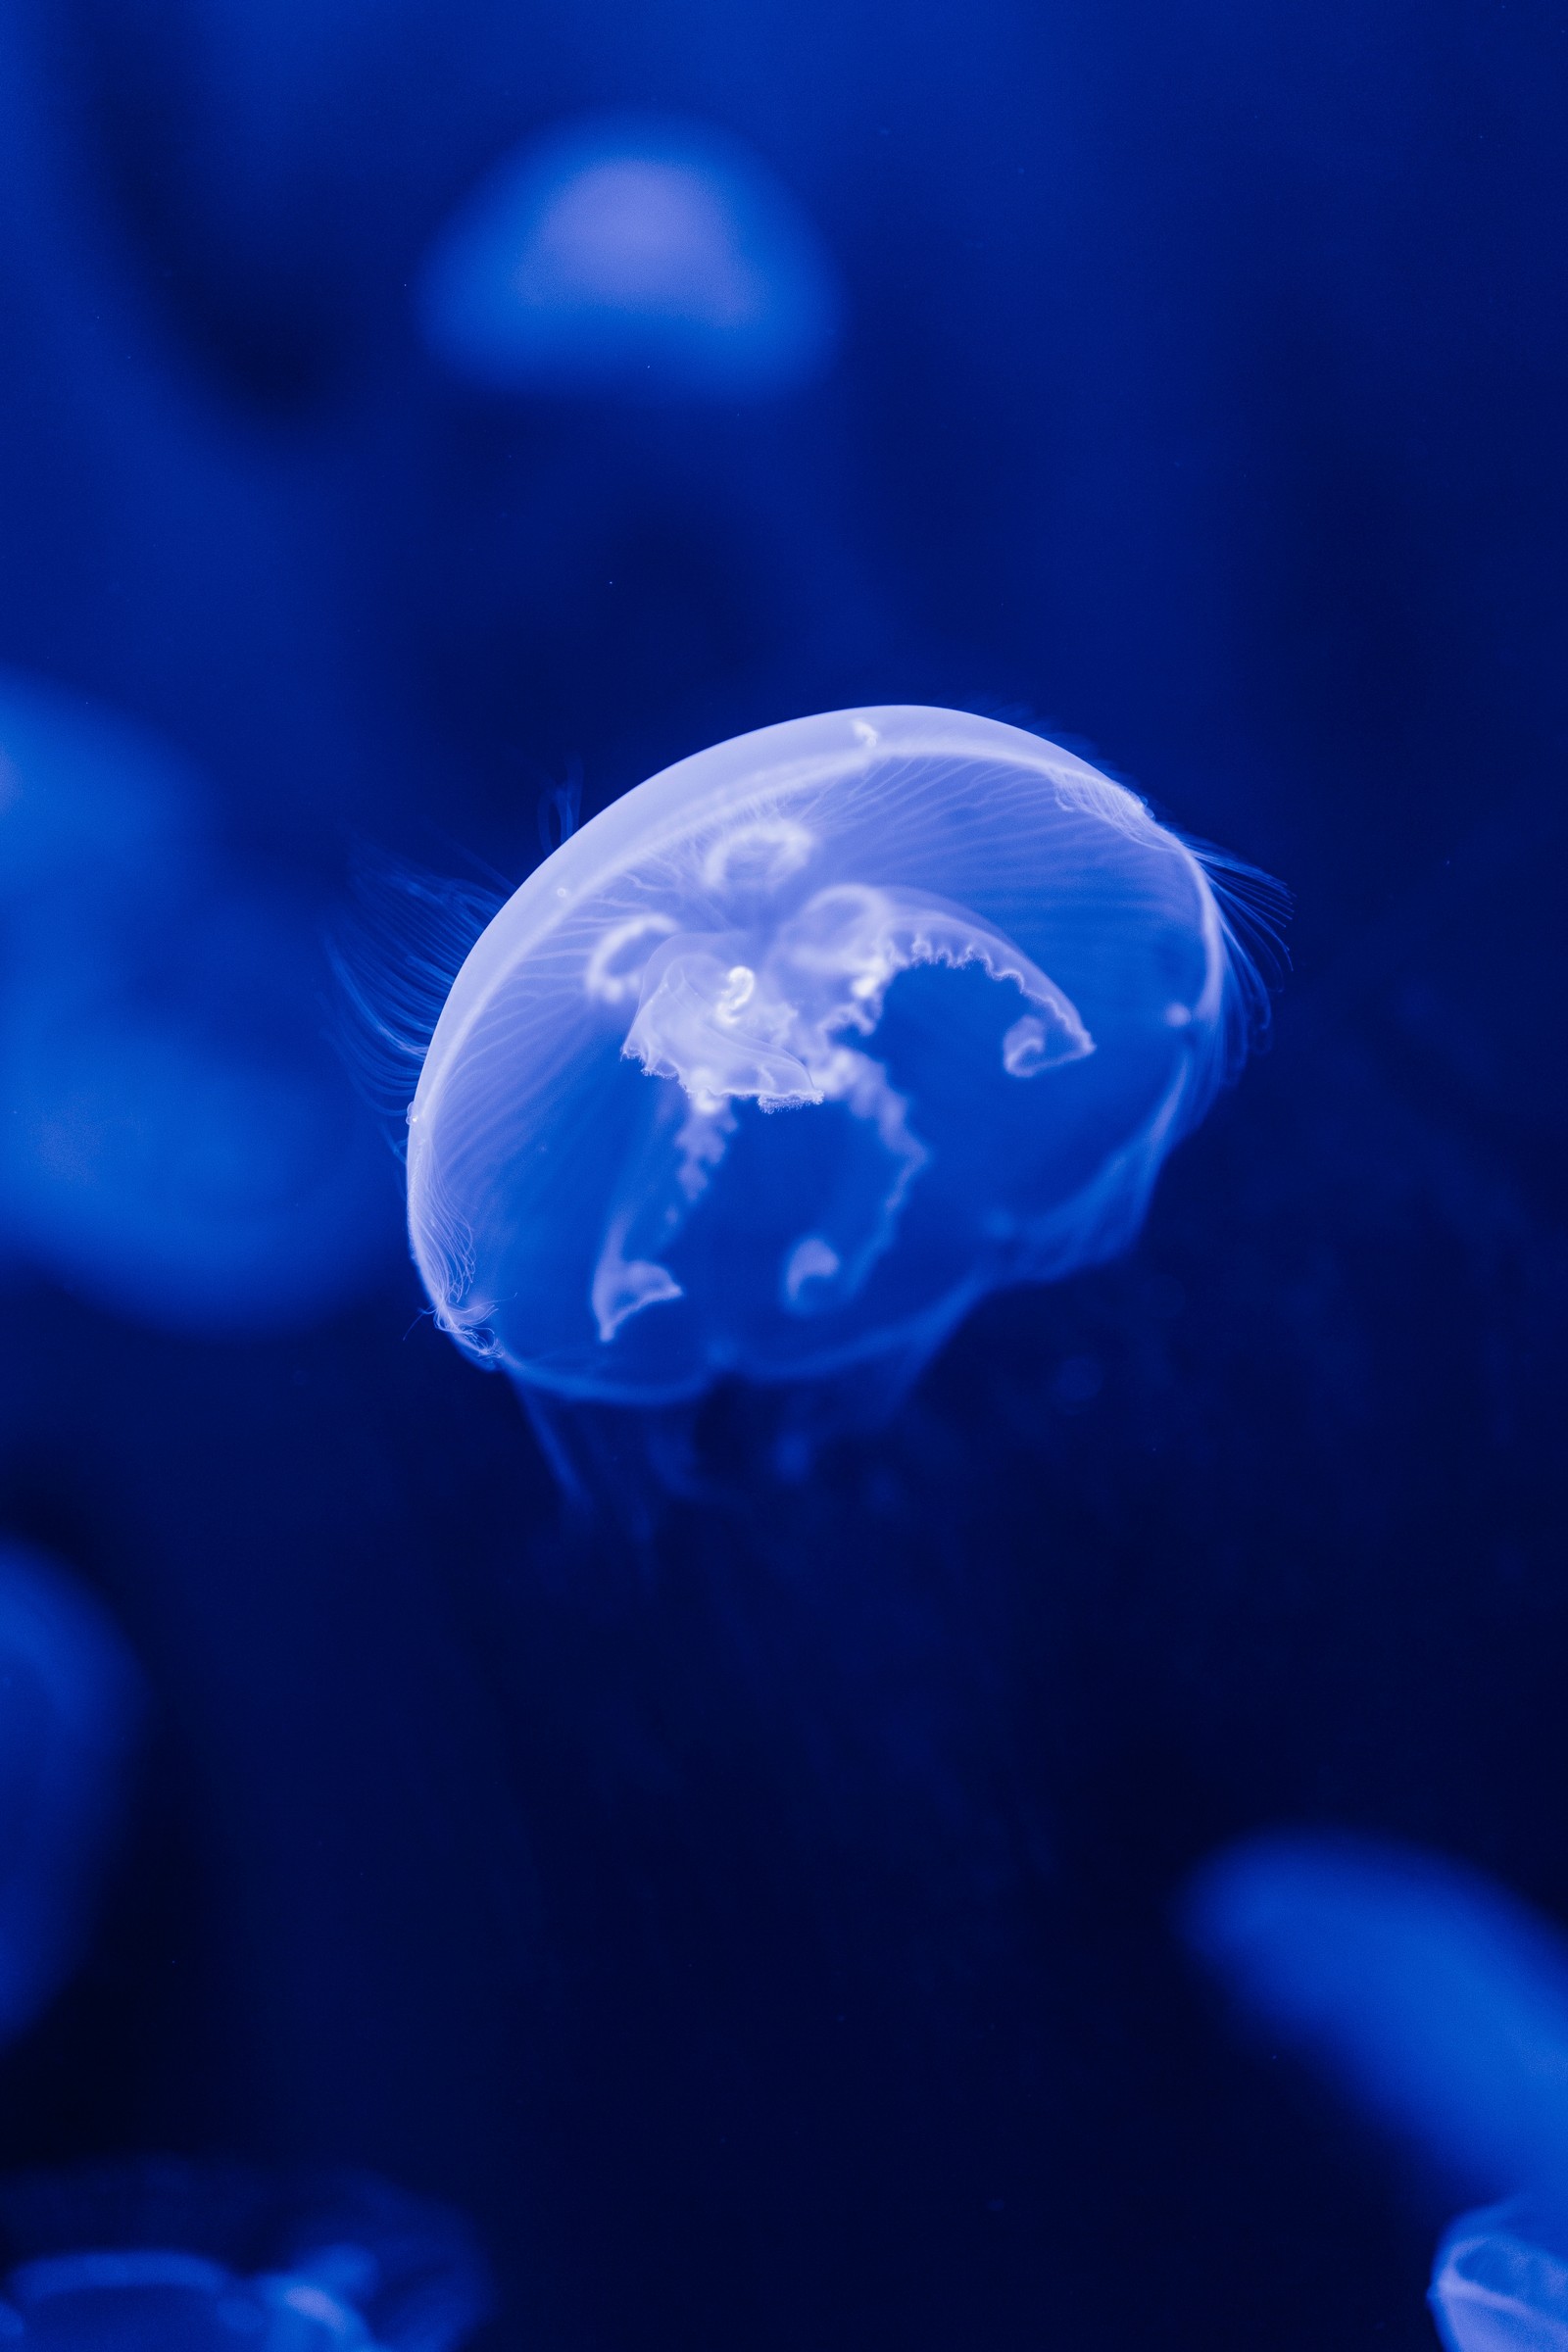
1501,2280
632,256
70,1711
1433,1995
790,1056
181,1141
165,2256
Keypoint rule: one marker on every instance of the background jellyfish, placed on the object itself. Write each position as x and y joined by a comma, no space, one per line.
795,1052
89,804
179,1141
1436,1997
70,1704
185,2256
634,256
1442,2004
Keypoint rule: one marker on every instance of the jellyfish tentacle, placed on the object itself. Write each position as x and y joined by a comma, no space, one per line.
662,1186
710,1019
849,943
830,1264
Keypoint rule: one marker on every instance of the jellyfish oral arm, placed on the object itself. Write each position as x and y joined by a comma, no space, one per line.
663,1186
850,943
729,1022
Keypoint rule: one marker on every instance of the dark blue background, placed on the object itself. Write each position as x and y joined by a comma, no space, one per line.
768,1941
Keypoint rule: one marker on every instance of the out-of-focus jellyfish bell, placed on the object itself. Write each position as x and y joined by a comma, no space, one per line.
624,255
179,1141
1433,1995
86,802
804,1046
71,1702
187,2258
1500,2280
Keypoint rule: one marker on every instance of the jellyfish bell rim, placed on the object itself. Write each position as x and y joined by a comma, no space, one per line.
915,1340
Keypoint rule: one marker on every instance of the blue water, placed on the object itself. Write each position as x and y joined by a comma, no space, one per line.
753,1907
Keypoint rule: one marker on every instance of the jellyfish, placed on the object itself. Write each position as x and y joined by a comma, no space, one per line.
1440,2002
70,1708
1500,2280
632,256
787,1058
194,2258
1435,1997
181,1143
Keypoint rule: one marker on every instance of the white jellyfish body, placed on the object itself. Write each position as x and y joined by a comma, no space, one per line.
631,255
70,1708
804,1046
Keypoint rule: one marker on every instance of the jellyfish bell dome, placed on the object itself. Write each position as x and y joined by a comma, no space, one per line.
99,2301
797,1051
632,255
157,2252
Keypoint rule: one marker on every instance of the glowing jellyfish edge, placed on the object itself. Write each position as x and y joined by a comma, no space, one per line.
757,988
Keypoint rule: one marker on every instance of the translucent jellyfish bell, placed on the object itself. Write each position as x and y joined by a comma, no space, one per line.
1500,2280
71,1704
804,1046
198,2258
631,255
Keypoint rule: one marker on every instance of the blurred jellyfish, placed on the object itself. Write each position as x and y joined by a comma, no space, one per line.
800,1048
179,1142
1442,2003
637,255
1432,1995
1500,2280
88,803
71,1702
189,2258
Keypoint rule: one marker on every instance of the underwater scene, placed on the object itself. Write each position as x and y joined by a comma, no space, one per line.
783,1176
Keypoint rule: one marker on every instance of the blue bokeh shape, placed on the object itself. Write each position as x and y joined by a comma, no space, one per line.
1435,1996
637,255
124,2256
181,1143
71,1707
